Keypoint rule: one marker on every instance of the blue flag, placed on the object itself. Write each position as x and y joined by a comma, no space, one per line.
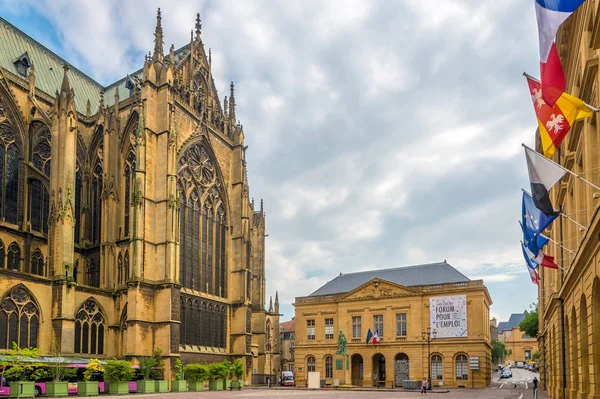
533,242
533,218
369,335
533,223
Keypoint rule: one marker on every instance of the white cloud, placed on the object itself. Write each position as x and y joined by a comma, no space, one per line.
380,133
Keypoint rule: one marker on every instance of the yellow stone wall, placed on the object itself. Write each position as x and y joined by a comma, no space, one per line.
415,304
143,311
569,301
516,345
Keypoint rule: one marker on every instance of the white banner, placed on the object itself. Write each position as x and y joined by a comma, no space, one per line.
448,316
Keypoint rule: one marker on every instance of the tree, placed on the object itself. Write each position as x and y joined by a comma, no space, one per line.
535,356
530,323
498,351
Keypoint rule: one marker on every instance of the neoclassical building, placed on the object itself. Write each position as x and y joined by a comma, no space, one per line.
569,301
401,304
126,222
519,345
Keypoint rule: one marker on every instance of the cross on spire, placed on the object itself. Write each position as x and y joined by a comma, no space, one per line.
198,25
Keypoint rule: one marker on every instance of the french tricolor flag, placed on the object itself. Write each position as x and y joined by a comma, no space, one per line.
376,337
550,15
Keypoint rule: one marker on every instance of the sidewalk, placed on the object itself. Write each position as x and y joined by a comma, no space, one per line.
528,394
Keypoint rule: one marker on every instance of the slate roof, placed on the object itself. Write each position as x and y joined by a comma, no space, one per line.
514,320
501,326
428,274
48,67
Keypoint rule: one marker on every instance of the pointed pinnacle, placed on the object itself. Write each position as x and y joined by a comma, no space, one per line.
198,25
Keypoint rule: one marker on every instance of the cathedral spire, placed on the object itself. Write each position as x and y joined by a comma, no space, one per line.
198,25
158,40
231,103
65,86
261,207
276,302
271,304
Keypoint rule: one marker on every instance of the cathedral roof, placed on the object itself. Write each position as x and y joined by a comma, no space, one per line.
428,274
514,320
48,66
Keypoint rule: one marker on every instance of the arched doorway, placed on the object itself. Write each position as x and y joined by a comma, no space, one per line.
357,370
401,369
378,369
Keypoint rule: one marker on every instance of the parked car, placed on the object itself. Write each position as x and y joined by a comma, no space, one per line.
506,373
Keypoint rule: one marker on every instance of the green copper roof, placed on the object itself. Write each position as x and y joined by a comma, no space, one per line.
48,67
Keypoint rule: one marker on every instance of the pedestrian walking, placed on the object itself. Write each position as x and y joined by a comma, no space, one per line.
535,382
424,386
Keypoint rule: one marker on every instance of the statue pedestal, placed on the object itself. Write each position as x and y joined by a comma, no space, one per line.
346,380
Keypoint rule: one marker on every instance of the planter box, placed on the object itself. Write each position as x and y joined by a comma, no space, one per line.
196,386
161,386
216,385
87,388
119,388
146,386
227,385
22,389
179,386
57,389
236,384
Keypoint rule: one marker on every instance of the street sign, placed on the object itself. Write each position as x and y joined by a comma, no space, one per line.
474,363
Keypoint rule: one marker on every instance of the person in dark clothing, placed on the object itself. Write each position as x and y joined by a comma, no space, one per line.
535,382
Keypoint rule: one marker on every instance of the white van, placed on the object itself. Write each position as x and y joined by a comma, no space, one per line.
287,378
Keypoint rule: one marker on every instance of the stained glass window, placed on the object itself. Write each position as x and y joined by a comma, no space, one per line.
2,255
14,257
96,203
78,188
19,319
37,263
39,206
11,182
130,163
89,328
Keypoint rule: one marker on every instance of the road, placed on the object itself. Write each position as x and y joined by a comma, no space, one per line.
521,381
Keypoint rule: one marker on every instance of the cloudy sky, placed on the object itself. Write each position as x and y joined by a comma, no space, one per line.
381,134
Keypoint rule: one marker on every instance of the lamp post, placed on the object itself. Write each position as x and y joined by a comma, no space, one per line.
428,336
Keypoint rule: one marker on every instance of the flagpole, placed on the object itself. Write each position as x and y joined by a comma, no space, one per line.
537,81
565,169
573,220
563,247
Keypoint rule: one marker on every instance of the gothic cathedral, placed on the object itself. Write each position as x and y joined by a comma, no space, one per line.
126,223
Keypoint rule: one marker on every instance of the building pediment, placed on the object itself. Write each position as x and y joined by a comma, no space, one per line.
377,289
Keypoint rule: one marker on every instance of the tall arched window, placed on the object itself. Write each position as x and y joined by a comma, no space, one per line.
182,319
14,257
78,188
120,269
126,268
89,328
19,319
462,367
436,367
40,156
202,223
96,199
9,174
328,367
39,206
37,263
310,364
129,169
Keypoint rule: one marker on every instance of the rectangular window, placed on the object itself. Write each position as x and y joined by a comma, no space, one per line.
378,325
328,367
292,351
328,328
401,325
356,327
310,330
462,370
527,355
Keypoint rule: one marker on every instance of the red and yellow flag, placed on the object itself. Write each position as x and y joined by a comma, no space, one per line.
556,121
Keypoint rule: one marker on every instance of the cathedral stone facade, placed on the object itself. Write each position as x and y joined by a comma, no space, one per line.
126,223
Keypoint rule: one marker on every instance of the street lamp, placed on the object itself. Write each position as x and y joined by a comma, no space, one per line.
428,336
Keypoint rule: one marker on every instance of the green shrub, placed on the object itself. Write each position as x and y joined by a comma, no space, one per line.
118,371
158,372
196,372
179,370
146,363
217,371
94,366
238,369
24,367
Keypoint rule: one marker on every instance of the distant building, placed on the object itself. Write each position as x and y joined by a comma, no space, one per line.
520,347
493,329
397,305
288,336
